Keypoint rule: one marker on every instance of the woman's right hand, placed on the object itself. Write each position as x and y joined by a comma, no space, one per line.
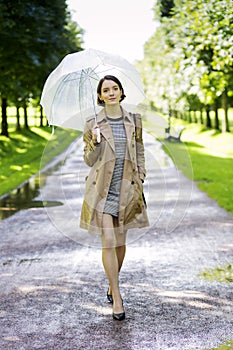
95,135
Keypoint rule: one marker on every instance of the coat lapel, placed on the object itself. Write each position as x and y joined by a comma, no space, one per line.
129,126
130,134
105,129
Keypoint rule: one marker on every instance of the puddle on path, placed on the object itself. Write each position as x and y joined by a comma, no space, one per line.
23,198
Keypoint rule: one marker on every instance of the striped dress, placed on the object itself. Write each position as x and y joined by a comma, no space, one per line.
113,197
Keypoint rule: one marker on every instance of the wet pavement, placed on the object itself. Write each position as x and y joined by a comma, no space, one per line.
53,287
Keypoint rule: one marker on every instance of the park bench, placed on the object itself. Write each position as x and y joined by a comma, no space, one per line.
174,134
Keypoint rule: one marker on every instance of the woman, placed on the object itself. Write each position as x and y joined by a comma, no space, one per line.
113,200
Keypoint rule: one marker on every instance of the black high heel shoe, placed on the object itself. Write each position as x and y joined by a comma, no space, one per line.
109,297
120,316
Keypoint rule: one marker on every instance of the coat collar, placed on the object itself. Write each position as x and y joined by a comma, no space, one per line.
101,117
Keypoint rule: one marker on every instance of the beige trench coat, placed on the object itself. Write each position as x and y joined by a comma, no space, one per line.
101,159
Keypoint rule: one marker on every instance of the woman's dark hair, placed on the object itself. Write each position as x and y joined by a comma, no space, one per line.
99,87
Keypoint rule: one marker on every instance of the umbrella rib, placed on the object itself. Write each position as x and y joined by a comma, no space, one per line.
86,75
92,95
54,98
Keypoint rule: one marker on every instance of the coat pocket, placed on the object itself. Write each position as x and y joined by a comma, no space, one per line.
136,205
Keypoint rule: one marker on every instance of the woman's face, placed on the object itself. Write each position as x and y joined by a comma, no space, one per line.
110,92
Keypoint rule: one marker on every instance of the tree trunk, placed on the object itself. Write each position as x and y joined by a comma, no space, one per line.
189,116
195,116
184,115
216,119
25,116
4,118
201,116
208,120
225,121
41,116
17,119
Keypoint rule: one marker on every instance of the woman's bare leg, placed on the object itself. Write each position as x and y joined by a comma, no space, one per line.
120,251
110,261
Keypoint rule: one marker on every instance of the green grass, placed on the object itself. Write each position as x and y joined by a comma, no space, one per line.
21,153
219,274
211,157
228,345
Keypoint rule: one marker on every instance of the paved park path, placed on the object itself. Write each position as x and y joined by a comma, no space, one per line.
53,287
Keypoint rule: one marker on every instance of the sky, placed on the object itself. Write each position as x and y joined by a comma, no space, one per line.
120,27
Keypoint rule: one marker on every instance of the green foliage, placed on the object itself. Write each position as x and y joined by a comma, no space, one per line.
219,274
164,8
190,55
34,37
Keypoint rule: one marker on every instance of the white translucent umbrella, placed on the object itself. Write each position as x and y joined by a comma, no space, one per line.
69,95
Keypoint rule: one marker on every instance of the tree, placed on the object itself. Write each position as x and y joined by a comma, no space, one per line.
34,37
207,36
194,44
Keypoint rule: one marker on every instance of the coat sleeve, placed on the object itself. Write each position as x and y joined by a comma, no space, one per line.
91,151
140,148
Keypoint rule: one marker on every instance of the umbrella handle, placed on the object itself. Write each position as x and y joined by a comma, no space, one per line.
98,134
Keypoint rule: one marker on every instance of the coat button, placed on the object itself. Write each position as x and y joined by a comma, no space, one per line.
132,182
94,183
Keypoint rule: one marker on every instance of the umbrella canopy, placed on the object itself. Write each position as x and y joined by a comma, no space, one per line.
69,95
